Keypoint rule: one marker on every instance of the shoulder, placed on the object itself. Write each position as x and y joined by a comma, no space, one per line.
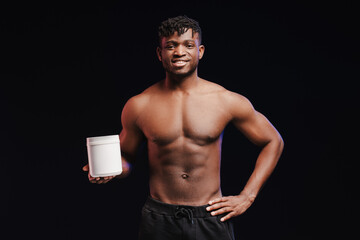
210,87
223,93
226,95
233,98
237,105
136,104
139,101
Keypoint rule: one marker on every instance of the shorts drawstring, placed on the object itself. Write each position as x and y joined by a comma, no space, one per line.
184,212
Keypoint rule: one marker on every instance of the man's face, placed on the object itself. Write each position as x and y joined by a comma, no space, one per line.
180,55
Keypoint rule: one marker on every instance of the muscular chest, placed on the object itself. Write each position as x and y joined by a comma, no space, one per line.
197,118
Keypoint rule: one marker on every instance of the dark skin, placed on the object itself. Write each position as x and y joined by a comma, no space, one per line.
182,119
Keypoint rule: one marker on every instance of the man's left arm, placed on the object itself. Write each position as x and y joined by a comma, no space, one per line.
261,132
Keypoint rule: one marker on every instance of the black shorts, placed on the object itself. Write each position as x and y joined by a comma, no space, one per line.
161,221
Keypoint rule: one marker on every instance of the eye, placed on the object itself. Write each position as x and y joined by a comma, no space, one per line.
170,47
190,45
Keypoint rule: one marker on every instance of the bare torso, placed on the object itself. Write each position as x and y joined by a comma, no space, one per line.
182,118
184,134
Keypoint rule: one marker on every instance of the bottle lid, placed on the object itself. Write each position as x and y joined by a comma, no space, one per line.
102,140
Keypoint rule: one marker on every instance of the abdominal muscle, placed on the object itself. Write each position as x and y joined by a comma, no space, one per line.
185,174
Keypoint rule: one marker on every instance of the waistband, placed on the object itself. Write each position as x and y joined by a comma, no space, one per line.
173,210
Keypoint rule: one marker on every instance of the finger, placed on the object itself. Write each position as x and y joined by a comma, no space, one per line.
108,178
227,217
216,206
221,211
104,180
91,178
217,200
85,168
99,181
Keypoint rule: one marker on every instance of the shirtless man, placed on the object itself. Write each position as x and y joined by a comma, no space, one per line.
182,119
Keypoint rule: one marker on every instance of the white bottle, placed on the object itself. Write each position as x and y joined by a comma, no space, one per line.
104,155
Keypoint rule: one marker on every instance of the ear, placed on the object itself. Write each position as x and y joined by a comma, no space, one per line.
158,53
201,51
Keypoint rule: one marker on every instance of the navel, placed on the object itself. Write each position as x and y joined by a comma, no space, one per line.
184,176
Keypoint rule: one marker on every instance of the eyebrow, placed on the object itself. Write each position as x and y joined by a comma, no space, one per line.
173,41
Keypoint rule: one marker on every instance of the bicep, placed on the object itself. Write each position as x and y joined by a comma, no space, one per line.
256,128
254,125
130,136
130,139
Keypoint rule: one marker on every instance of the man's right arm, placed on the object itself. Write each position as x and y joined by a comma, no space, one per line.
130,138
131,135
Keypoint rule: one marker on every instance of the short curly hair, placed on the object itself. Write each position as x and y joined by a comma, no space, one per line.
179,24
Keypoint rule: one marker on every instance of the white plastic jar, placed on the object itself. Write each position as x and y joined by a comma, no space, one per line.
104,155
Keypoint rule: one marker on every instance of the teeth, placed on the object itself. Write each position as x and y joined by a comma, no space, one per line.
180,62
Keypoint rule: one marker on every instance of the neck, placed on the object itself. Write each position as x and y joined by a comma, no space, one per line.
181,82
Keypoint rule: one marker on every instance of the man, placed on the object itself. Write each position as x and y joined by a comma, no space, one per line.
182,119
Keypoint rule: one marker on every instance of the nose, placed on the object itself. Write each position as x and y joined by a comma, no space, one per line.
179,50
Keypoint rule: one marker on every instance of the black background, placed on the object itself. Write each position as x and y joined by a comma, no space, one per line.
68,68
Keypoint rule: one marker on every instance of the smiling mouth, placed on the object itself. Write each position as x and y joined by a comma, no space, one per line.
179,63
